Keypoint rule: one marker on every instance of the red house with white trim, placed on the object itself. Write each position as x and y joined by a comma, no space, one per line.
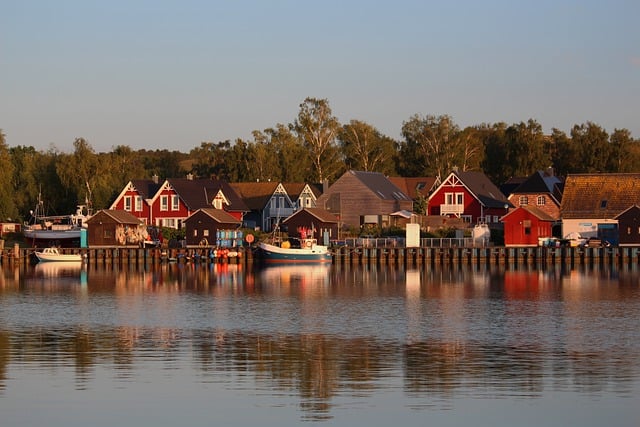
136,197
470,196
173,201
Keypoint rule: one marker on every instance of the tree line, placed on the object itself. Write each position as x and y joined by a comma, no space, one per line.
313,148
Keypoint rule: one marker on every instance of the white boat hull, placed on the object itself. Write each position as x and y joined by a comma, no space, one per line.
52,254
315,253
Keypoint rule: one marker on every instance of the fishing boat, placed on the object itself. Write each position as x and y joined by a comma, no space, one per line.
309,251
56,229
53,254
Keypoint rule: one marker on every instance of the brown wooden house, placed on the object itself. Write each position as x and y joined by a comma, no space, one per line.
204,226
314,222
357,195
112,228
629,226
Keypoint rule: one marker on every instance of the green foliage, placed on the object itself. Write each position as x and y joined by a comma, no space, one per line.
312,148
365,148
318,128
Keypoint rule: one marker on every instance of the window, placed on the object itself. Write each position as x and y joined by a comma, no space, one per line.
217,203
195,233
527,226
496,218
273,203
169,222
487,219
108,234
308,202
603,204
127,203
175,203
205,233
524,200
281,202
542,200
138,203
164,203
460,198
449,198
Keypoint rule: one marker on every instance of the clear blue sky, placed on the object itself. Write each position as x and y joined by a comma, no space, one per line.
171,74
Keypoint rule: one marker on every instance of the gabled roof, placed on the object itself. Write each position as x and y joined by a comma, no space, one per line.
414,185
538,213
147,188
538,182
484,190
218,215
322,215
635,207
380,185
199,193
256,195
599,195
294,189
119,216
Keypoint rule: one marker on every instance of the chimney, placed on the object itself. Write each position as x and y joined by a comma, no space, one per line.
155,178
325,185
190,176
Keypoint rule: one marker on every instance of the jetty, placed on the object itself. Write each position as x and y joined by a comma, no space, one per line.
382,254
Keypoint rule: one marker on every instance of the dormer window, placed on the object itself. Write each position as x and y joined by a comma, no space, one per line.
603,204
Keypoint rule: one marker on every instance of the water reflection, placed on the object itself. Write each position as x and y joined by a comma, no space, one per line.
319,333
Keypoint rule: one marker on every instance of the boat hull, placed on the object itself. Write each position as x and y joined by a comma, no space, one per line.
52,234
270,253
48,255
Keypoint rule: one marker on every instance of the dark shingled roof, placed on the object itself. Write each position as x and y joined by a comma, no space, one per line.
485,190
381,185
119,216
256,195
199,193
147,188
220,216
322,215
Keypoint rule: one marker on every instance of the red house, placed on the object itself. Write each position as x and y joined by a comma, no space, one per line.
170,203
525,224
135,198
470,196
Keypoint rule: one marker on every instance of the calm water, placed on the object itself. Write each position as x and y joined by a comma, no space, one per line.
332,345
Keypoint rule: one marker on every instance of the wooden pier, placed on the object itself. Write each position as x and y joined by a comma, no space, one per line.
410,257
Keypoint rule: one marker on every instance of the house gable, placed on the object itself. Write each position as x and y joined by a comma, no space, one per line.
357,194
469,195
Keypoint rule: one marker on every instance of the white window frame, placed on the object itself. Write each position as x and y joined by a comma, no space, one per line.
175,202
164,202
138,203
127,203
541,200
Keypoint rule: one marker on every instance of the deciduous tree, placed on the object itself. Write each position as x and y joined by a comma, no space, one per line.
318,128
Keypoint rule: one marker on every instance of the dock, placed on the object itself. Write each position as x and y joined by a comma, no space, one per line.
382,255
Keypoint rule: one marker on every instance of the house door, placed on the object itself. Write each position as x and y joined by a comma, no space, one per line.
608,232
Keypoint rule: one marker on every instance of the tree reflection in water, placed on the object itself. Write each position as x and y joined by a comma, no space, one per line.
434,334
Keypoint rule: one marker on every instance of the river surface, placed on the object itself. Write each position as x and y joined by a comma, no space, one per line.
203,345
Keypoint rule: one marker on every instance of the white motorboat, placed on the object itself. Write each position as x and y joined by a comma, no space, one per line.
53,254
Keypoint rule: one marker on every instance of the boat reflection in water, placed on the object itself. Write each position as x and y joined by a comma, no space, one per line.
298,275
62,271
